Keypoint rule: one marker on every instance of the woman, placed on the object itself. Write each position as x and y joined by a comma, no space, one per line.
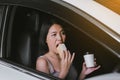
52,62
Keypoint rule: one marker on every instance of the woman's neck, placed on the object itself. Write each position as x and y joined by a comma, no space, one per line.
54,59
52,55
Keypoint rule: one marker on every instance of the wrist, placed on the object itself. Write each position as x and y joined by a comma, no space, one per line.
62,75
82,75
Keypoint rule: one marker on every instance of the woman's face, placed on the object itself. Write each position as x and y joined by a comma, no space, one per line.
55,36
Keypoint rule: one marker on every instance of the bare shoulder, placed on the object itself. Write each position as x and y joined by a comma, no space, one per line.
41,61
42,65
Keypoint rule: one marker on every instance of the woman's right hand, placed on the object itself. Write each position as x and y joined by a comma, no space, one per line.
66,61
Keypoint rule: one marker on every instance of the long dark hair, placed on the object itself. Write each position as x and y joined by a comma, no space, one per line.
47,23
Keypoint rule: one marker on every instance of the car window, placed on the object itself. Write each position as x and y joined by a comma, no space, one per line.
23,38
1,17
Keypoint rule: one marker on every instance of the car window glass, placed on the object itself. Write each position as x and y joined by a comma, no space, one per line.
1,14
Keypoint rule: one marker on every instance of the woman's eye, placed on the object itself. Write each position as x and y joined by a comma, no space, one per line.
53,34
63,32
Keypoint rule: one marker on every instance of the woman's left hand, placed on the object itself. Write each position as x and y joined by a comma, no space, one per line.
85,71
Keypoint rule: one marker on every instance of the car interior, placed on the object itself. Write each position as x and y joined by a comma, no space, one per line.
22,41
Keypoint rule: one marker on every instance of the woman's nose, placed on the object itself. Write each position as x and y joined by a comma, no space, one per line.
59,37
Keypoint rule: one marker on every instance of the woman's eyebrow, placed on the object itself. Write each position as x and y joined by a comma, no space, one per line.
53,32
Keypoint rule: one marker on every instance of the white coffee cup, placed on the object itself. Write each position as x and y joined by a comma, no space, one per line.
89,60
